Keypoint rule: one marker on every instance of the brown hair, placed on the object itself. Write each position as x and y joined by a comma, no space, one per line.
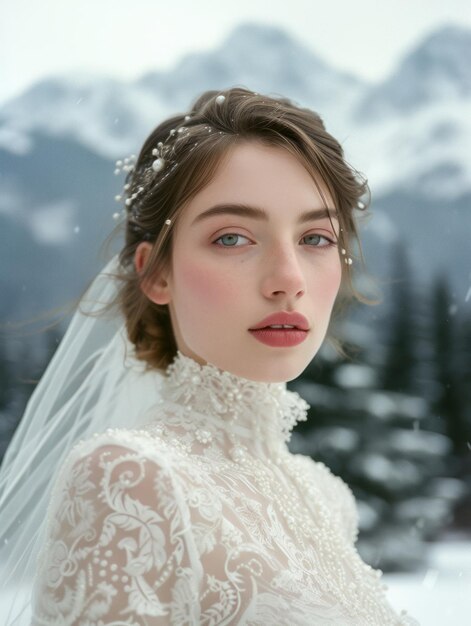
243,115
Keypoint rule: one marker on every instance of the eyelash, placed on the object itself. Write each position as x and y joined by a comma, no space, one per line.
329,245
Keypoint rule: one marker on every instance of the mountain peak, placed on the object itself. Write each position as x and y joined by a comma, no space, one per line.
436,69
449,33
257,34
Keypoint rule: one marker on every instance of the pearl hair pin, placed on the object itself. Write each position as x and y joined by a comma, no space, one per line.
348,259
162,153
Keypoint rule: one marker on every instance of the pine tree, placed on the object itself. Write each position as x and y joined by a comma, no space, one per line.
450,402
463,367
399,369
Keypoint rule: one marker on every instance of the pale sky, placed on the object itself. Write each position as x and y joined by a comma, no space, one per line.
125,38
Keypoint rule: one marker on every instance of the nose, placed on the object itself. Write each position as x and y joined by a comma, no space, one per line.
284,273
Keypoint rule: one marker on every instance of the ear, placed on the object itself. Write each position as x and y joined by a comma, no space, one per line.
156,288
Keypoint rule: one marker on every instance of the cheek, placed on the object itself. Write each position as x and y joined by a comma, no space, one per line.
205,287
327,286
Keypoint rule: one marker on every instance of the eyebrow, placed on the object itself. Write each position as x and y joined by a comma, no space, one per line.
257,213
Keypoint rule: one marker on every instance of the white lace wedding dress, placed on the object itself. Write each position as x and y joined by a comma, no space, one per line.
199,514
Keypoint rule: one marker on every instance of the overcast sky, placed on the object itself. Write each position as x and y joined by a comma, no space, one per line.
124,38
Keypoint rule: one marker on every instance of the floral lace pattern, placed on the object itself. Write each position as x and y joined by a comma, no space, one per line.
199,514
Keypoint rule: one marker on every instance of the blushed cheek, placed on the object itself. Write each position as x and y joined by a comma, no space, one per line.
205,289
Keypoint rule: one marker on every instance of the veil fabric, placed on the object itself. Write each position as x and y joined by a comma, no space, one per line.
93,382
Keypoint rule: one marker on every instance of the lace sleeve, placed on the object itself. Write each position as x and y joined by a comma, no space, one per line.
117,548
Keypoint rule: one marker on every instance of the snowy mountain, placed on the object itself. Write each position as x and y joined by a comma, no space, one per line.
102,114
409,135
436,70
112,117
417,123
263,56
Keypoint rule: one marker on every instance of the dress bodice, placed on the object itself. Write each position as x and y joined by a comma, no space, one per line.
199,514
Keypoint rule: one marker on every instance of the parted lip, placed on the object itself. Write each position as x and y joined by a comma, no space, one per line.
284,317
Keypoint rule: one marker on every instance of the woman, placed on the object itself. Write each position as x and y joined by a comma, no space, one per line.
181,503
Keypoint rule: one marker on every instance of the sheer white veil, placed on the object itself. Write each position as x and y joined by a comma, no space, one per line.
93,382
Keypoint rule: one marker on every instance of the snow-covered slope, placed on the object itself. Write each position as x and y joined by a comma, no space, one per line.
413,130
103,114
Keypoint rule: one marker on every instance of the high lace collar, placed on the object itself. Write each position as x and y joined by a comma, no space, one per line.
247,410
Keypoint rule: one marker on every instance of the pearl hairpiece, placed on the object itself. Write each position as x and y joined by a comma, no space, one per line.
162,153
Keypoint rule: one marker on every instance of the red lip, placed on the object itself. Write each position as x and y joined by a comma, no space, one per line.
284,317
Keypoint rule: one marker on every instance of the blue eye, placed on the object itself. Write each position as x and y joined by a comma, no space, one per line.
329,241
229,235
234,235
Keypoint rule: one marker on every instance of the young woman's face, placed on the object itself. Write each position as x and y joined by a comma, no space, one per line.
231,271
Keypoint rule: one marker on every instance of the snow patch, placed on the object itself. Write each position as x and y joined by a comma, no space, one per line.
439,594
